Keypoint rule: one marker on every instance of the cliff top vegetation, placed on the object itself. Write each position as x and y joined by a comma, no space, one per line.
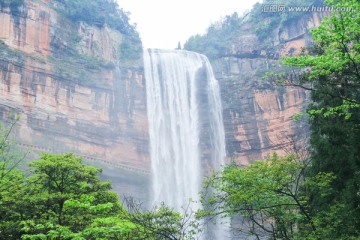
221,35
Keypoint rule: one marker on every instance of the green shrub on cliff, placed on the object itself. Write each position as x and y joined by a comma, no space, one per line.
131,48
98,13
101,13
220,37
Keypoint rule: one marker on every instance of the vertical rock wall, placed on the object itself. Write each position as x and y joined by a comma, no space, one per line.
258,115
70,90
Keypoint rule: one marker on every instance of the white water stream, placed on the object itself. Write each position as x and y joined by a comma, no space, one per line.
183,100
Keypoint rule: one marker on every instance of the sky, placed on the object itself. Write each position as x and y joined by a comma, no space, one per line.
163,23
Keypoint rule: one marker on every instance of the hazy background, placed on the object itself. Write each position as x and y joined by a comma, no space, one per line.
163,23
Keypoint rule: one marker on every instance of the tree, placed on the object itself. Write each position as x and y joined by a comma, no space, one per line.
331,71
268,199
11,199
334,62
10,157
162,222
65,199
11,182
65,194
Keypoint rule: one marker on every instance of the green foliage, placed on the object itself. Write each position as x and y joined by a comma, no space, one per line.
131,48
265,22
68,193
272,200
265,194
11,193
65,199
111,228
11,183
60,199
161,223
332,74
219,37
334,68
222,35
98,13
10,158
69,63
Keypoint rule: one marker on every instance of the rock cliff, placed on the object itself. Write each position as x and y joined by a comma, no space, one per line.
258,114
65,81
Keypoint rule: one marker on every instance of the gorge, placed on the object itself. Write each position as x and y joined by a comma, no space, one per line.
247,131
95,105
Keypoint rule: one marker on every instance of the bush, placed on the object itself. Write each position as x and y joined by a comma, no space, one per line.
98,13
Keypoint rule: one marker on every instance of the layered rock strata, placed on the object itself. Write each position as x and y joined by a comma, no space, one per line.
258,114
65,82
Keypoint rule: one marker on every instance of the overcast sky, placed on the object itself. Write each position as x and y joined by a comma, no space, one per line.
163,23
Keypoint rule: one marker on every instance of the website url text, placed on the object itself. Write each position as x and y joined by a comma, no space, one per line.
273,8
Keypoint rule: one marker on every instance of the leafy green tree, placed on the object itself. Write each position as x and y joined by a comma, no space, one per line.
11,204
65,199
332,73
11,183
10,157
333,65
269,197
64,193
162,222
218,38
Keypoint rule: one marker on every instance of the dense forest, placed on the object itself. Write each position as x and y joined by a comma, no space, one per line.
311,194
61,198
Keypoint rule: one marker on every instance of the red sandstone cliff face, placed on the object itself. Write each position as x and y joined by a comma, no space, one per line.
100,111
258,115
66,104
27,31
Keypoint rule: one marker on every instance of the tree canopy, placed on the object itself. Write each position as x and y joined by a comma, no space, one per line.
331,72
63,198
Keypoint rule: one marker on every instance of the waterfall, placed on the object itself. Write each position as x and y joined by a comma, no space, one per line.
185,124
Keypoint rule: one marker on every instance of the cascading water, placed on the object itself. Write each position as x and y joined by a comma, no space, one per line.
185,118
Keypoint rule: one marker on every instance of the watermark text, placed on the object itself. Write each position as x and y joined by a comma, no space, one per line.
274,8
